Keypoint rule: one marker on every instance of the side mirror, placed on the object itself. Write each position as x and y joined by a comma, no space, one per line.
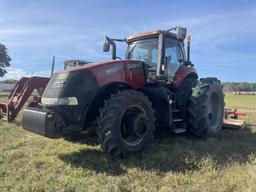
181,33
106,46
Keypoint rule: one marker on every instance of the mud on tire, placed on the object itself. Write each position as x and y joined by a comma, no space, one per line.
126,123
206,108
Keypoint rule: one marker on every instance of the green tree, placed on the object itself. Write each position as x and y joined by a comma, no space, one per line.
4,60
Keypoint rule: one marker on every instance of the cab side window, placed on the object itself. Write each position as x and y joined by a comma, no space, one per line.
173,55
154,57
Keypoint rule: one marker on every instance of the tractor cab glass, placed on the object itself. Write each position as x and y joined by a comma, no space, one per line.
145,50
174,56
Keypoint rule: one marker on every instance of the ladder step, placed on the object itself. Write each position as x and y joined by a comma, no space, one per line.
177,120
179,130
175,110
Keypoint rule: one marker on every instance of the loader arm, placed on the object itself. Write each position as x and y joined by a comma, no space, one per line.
20,94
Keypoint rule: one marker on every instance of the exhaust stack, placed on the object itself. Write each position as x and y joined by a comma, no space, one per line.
188,48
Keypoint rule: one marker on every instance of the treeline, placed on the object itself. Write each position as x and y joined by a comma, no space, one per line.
227,87
8,81
239,87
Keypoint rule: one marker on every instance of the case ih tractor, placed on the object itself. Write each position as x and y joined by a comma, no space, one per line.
124,101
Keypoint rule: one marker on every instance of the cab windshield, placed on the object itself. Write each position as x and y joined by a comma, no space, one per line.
145,50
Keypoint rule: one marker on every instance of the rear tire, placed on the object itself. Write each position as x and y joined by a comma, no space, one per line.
206,108
126,123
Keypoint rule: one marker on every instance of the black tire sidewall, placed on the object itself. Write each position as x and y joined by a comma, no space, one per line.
110,121
199,123
116,130
216,88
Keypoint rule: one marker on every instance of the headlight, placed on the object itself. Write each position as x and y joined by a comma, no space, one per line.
60,101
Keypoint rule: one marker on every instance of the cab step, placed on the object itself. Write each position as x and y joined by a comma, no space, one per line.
177,120
179,130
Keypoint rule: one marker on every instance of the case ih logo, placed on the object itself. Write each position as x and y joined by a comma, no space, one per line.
134,66
60,82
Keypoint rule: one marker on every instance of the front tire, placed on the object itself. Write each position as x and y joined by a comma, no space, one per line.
126,123
206,108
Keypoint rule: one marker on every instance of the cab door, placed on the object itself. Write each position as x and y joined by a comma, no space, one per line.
174,57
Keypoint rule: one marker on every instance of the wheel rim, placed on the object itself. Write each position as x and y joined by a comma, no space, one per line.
134,125
214,110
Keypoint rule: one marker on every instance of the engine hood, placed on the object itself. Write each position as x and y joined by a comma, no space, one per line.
125,63
130,72
89,77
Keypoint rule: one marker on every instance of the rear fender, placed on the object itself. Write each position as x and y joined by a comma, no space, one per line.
182,73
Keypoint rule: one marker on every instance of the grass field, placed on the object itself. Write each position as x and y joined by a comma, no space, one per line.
226,162
246,102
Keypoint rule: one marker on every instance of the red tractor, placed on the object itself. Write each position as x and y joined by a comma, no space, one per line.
124,101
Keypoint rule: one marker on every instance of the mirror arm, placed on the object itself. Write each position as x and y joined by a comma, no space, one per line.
120,40
112,43
113,51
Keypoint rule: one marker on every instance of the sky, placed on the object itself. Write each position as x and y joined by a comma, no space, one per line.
223,32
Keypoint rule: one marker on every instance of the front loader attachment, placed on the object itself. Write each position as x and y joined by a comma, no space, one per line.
20,94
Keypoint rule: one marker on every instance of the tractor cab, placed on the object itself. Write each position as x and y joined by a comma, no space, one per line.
162,50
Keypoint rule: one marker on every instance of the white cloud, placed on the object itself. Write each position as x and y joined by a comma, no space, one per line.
216,37
17,73
220,27
14,73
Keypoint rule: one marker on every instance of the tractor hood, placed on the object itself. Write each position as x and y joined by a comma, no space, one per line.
130,72
104,65
71,91
80,82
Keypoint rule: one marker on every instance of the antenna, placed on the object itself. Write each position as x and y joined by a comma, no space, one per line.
53,63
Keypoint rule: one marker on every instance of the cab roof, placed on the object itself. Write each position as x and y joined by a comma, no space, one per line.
150,33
